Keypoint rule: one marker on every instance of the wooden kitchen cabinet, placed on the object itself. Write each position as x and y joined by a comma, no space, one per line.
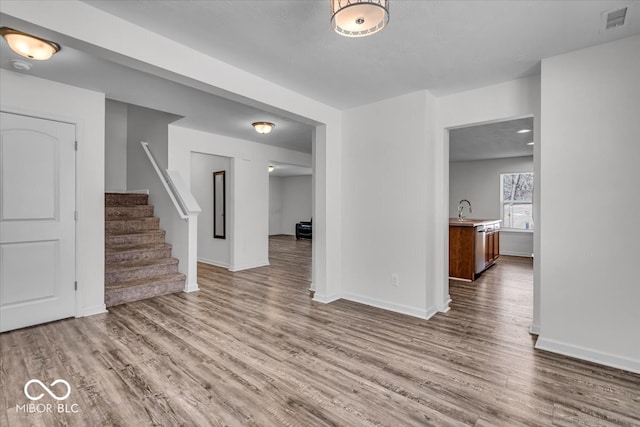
491,247
461,256
474,246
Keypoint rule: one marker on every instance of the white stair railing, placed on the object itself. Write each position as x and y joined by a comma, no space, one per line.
177,190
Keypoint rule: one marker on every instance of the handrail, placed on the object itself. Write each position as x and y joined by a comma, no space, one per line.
171,191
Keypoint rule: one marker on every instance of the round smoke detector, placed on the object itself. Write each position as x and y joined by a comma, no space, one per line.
21,65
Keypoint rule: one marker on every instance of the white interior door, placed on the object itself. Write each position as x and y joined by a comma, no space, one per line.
37,223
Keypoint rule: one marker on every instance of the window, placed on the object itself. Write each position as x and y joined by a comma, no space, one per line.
516,198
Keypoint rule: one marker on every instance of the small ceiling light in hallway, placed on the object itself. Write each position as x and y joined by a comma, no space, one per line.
29,46
359,18
263,127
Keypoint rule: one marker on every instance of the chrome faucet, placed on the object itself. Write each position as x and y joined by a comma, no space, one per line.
461,207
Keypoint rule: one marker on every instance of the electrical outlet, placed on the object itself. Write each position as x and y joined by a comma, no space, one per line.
395,280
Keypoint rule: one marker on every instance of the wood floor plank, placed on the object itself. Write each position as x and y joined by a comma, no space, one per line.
252,348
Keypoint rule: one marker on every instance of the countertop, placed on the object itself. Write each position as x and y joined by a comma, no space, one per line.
472,222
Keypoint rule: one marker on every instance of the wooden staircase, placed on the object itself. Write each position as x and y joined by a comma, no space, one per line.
138,262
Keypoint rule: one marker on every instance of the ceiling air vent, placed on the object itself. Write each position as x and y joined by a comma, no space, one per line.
616,18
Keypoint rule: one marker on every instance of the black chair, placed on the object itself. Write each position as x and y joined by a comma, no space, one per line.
304,230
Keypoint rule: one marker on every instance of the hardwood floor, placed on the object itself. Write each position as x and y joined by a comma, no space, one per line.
251,348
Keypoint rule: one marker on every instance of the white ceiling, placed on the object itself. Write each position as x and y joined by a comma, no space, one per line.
491,141
200,110
442,46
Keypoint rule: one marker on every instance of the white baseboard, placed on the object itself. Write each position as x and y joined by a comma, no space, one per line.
214,263
589,355
191,287
92,311
325,299
520,254
396,308
534,329
235,268
445,307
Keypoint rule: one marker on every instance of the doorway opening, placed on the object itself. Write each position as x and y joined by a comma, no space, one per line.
291,215
491,210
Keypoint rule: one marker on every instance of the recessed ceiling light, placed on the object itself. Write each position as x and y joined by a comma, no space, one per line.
530,143
524,131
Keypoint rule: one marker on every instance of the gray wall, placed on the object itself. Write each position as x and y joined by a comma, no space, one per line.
275,205
210,250
290,201
590,291
479,182
115,148
144,124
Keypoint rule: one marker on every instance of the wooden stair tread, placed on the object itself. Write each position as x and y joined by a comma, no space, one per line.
155,280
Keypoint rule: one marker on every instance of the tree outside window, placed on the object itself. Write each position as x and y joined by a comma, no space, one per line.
516,197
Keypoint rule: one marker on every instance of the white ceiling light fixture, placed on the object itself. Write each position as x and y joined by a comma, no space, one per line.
530,143
29,46
263,127
359,18
271,168
524,131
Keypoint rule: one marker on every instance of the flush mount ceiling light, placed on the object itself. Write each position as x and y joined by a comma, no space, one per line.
530,143
524,131
263,127
359,18
271,168
29,46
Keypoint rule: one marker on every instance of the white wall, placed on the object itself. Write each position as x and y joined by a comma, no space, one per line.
512,99
388,204
479,182
590,201
249,186
145,124
24,94
290,201
275,205
115,146
210,250
297,202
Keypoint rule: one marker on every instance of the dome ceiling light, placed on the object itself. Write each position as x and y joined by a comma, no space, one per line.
359,18
29,46
263,127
